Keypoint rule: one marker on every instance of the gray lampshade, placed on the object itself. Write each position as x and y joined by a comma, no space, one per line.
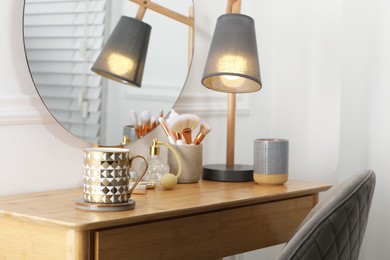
232,64
123,57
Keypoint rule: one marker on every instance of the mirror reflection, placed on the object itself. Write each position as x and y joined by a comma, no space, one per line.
63,38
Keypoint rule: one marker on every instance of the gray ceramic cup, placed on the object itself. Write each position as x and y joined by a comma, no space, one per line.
191,157
270,161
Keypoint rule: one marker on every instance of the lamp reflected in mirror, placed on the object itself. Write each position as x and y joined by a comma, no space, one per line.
123,56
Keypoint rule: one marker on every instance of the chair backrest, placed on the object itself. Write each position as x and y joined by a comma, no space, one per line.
334,229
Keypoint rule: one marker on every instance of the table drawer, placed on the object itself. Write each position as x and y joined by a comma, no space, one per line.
253,227
193,237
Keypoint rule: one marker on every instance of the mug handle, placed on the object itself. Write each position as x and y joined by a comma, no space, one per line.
141,176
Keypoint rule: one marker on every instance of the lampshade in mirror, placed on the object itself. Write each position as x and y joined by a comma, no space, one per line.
232,64
123,57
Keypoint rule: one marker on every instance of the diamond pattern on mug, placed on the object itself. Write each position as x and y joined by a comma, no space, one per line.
122,190
114,190
106,190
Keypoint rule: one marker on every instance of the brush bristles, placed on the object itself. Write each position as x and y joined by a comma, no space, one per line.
153,122
134,118
204,129
145,118
184,121
172,117
134,121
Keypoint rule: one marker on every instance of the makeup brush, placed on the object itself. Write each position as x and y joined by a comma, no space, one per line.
163,125
203,131
134,121
145,119
153,123
171,118
184,124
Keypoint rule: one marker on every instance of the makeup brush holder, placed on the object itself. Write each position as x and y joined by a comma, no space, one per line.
129,130
191,157
270,161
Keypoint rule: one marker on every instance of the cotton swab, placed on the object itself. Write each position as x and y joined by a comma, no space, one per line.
162,123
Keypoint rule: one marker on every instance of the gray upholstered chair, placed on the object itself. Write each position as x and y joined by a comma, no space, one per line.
334,229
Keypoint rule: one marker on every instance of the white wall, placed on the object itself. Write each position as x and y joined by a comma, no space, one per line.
37,153
325,87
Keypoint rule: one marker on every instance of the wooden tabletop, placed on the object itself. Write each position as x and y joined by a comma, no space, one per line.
58,207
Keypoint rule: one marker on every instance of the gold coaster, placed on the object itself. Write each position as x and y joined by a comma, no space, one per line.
104,207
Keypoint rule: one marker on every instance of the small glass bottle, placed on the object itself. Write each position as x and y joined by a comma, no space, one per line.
156,166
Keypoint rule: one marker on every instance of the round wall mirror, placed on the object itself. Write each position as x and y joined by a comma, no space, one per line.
63,38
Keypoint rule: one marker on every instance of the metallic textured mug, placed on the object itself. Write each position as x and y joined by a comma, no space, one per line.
270,161
106,175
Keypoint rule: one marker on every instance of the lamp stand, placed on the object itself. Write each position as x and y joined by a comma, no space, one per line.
229,172
148,4
231,129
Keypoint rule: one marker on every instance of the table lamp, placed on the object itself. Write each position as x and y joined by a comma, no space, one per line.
233,67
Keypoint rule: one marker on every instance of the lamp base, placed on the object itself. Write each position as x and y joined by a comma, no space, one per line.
220,172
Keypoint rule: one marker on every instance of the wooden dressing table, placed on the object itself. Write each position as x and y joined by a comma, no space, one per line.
206,220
